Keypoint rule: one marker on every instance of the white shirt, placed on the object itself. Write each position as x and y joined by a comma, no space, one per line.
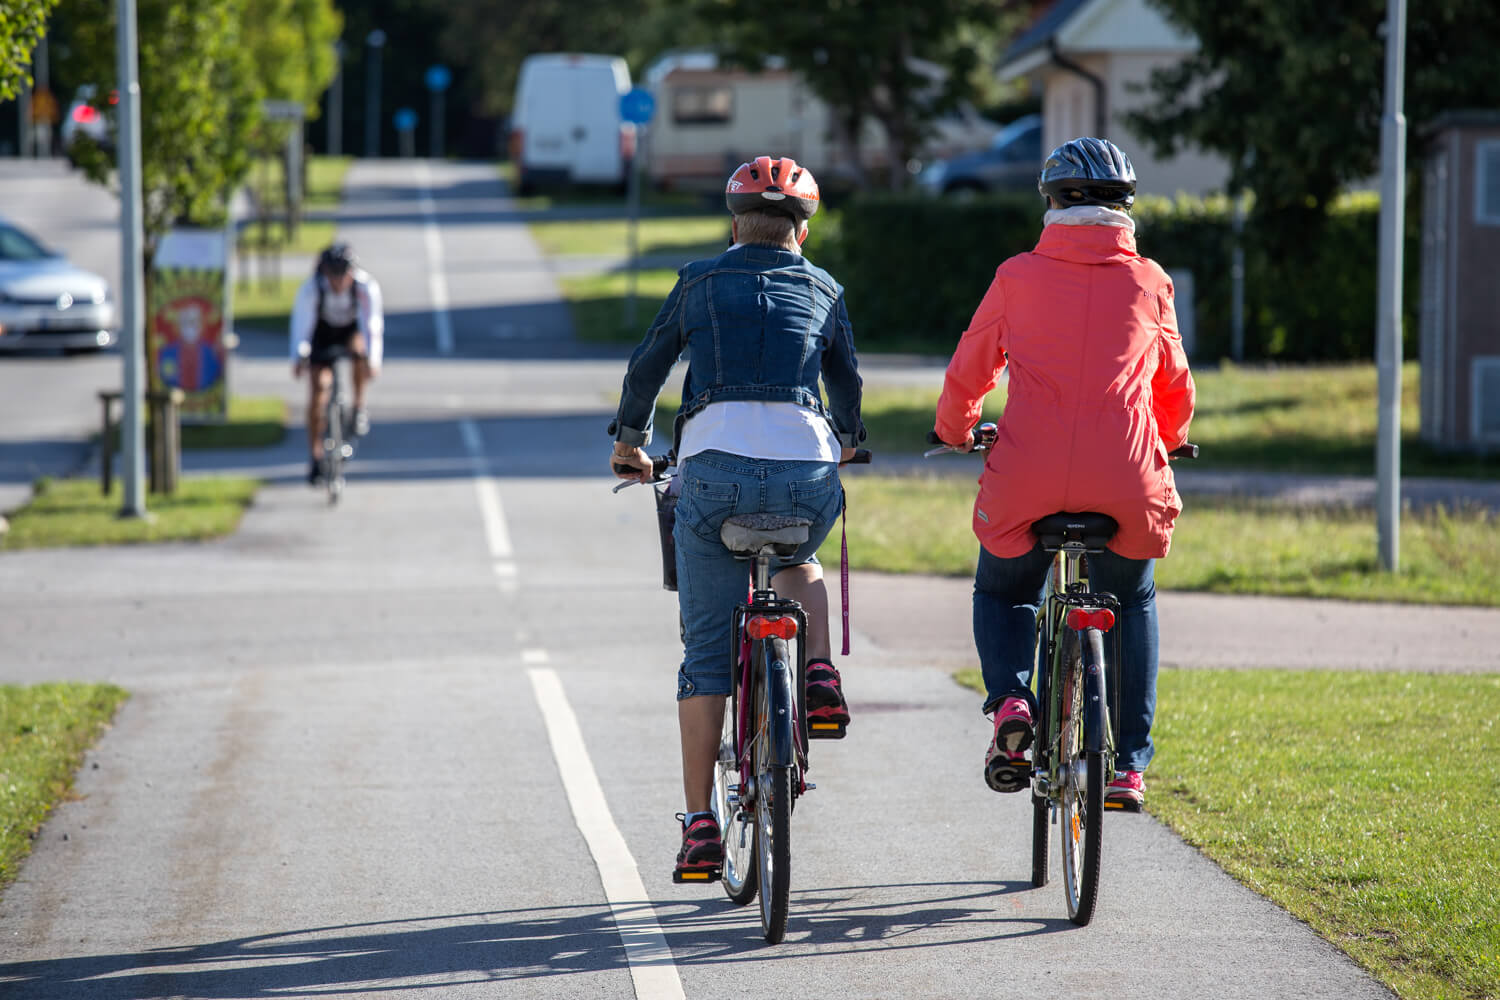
360,305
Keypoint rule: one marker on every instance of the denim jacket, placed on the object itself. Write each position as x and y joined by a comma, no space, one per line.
755,323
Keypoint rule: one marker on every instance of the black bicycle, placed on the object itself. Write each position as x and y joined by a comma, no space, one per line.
338,424
1073,754
762,766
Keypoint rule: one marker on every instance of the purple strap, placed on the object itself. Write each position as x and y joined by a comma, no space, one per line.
844,568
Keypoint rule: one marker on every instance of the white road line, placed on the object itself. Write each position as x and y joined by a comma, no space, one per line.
651,968
437,277
489,499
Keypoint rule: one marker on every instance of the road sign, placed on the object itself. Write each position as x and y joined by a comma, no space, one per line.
438,78
282,111
637,106
405,119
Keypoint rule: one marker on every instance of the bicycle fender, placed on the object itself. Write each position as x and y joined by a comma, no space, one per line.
1095,700
783,711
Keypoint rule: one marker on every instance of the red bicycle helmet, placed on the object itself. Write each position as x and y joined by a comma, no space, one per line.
772,184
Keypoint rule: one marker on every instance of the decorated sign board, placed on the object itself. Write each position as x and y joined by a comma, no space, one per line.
188,322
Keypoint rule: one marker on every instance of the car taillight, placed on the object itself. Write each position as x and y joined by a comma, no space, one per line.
1102,619
84,114
761,627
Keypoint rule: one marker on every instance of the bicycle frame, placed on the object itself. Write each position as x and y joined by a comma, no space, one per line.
789,737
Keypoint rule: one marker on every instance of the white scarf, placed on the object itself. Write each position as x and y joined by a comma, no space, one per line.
1088,215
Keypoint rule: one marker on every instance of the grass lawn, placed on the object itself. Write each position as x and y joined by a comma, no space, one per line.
689,236
73,512
266,305
1371,814
44,731
254,422
598,303
921,525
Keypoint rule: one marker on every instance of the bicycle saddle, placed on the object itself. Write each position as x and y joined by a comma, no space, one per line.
749,534
1093,530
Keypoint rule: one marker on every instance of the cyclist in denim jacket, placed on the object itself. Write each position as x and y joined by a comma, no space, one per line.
758,326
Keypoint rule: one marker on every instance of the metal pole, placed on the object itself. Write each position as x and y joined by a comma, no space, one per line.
373,41
43,140
1388,311
435,127
132,239
336,104
633,187
1237,282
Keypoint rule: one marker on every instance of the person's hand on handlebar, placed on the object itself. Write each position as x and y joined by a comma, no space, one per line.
636,458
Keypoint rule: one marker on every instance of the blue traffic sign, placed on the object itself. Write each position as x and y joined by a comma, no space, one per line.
405,119
438,77
637,106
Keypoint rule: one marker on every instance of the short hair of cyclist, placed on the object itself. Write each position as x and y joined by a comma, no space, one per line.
339,278
769,229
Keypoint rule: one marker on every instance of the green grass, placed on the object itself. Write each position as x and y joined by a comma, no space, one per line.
266,305
65,512
254,422
598,303
922,525
311,236
44,731
689,237
1370,816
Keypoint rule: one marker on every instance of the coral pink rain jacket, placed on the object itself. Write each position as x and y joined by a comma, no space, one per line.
1099,391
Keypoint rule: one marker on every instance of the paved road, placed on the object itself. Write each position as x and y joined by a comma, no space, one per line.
424,744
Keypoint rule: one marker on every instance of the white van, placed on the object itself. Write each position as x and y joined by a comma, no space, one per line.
566,126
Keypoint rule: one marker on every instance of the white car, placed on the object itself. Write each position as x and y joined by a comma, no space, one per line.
46,302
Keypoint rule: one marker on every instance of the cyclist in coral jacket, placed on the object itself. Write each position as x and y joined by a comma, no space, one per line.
1099,392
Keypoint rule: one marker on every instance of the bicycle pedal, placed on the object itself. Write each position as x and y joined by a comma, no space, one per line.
818,730
695,875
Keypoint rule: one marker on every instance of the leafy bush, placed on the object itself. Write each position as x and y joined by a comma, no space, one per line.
916,267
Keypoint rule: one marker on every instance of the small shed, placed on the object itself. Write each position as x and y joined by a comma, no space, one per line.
1460,311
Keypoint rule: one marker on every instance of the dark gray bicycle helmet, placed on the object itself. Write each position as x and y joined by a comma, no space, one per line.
338,259
1088,171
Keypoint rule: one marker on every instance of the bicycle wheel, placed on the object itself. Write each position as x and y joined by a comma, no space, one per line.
736,821
333,450
1081,803
773,806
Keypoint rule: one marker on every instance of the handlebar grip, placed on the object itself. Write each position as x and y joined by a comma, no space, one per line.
623,470
659,465
861,456
932,438
1187,450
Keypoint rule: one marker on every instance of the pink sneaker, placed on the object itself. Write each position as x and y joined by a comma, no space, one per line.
1005,766
1127,792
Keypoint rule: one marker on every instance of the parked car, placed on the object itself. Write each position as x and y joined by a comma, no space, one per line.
84,119
566,126
46,301
1009,164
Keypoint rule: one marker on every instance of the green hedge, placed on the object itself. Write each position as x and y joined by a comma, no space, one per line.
915,268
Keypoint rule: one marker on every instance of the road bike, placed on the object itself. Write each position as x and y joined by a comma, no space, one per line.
762,766
1073,753
338,425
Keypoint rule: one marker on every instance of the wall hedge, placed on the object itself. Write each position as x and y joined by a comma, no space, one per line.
915,267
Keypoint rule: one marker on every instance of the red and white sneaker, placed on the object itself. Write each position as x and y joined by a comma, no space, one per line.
702,856
1006,768
1126,793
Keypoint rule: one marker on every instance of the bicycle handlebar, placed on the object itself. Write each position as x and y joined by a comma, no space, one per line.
660,464
984,438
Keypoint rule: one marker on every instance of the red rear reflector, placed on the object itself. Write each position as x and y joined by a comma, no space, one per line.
1102,619
766,628
83,114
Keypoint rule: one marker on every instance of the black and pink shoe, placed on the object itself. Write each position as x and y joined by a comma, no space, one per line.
827,712
702,856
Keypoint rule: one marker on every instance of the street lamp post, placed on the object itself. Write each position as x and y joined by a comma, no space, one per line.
374,41
132,305
1388,313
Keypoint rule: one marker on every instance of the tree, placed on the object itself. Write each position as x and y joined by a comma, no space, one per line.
291,44
864,62
199,104
1291,94
23,23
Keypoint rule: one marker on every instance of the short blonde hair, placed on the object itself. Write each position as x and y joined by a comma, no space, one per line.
768,229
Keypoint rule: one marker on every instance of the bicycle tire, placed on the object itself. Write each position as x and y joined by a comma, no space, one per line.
736,823
333,449
1041,812
773,805
1081,795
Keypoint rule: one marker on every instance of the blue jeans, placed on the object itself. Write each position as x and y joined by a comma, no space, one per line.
1007,595
710,580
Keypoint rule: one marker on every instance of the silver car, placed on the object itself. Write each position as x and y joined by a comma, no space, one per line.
46,301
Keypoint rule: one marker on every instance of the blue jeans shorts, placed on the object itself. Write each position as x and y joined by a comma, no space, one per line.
711,581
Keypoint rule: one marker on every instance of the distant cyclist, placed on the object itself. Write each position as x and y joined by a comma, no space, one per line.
1099,391
338,306
759,326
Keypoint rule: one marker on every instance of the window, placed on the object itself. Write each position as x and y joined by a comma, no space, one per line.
1487,182
702,105
1485,401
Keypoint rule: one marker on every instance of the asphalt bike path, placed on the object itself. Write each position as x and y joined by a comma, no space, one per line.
423,744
